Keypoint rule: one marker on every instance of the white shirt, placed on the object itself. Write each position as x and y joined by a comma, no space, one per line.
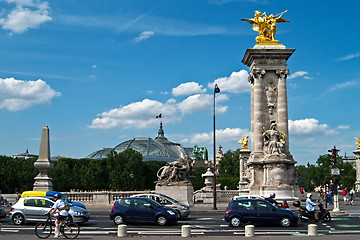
58,205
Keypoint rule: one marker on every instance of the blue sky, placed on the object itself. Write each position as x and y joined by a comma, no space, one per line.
98,72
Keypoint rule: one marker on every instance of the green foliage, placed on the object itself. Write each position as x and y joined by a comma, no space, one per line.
229,170
16,174
313,176
150,170
196,178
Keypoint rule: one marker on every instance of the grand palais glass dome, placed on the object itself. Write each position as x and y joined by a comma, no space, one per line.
158,149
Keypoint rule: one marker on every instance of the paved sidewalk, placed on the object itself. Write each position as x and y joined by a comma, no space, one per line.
113,237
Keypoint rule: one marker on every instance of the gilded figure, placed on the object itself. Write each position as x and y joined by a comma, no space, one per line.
244,142
358,143
266,26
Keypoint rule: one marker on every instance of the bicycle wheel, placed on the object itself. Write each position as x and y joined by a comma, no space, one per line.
43,230
70,230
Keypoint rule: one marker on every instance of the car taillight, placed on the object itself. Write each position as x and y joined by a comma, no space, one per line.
227,212
113,207
11,209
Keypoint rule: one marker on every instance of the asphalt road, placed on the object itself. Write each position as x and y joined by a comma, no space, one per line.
204,223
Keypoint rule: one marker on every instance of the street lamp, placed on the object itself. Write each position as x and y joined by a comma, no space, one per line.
216,90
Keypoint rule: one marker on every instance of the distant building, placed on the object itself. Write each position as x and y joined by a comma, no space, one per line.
25,155
158,149
350,160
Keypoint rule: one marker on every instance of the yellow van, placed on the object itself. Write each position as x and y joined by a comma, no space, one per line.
51,194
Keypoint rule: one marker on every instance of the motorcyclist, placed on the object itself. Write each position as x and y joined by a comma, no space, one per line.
271,199
310,206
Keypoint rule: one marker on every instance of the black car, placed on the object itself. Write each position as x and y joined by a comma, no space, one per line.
258,211
142,210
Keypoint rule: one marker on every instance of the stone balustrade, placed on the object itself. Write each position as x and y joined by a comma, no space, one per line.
109,197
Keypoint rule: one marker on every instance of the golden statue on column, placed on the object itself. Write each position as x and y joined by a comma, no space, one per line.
266,26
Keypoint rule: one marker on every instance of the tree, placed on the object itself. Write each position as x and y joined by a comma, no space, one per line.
229,170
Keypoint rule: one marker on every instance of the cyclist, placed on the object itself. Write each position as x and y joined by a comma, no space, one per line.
61,209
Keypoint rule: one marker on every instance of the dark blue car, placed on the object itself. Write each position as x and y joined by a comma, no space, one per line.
142,210
258,212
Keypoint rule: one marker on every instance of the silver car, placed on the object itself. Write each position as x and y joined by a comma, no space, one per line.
33,209
182,208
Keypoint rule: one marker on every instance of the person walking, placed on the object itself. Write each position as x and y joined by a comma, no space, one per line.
352,196
345,196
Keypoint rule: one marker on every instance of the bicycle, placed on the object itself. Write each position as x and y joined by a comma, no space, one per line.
68,228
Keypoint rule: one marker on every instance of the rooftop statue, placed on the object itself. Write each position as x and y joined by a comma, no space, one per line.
266,26
358,143
244,142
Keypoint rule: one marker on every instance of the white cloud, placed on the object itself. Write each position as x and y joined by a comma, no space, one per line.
227,135
343,85
27,14
237,82
144,35
188,88
343,127
136,115
299,74
348,57
308,126
17,95
202,103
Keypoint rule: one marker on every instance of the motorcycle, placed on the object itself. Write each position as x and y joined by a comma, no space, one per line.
284,204
305,215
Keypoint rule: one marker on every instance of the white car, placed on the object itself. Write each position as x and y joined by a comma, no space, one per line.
182,208
247,197
33,209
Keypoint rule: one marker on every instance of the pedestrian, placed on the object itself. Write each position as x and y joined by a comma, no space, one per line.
345,196
352,196
330,197
302,191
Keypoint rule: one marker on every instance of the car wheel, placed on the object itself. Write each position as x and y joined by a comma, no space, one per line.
161,220
18,219
118,219
235,222
285,222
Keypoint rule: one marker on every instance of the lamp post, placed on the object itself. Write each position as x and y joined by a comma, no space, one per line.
216,90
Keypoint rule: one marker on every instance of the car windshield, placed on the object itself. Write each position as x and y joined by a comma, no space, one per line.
169,198
65,199
155,203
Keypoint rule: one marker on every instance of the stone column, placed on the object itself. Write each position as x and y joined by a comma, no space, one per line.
257,110
43,164
357,165
283,107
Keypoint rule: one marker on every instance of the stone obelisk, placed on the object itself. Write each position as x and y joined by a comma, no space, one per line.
43,164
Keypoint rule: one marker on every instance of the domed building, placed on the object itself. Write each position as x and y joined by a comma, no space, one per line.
158,149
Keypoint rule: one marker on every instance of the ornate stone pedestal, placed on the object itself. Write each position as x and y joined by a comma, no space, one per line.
270,165
183,193
244,174
43,164
357,164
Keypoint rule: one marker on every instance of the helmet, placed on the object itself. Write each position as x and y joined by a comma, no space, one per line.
272,195
309,195
56,195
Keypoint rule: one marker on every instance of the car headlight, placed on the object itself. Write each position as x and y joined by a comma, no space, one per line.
170,212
